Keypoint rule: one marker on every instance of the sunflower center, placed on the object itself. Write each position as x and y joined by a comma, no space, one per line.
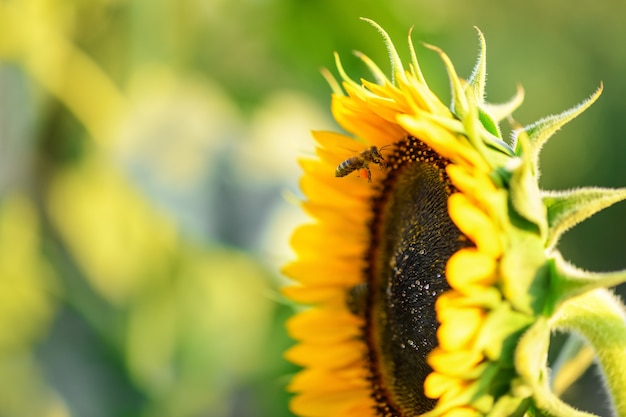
412,239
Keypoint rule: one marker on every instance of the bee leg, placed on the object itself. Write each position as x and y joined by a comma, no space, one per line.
369,175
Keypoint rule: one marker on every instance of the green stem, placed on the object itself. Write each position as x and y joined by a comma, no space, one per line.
530,362
549,404
600,317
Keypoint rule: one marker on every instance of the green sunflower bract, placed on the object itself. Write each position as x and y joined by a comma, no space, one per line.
433,288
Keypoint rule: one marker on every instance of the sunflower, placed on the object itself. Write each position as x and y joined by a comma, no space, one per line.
430,267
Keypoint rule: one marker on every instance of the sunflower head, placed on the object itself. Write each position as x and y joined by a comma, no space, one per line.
429,266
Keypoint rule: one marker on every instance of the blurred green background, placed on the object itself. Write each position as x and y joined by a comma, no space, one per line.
147,179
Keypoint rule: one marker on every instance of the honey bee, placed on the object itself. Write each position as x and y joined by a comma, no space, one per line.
361,161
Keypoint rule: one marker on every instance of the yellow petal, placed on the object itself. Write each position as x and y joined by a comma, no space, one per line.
324,325
437,384
420,97
439,139
459,330
336,141
325,380
355,116
311,271
365,408
328,404
469,181
319,180
334,215
316,239
309,295
456,363
468,270
474,224
328,356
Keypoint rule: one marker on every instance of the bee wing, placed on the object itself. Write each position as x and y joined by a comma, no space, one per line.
335,148
333,140
350,151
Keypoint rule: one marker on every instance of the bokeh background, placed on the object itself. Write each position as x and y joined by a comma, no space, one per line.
148,176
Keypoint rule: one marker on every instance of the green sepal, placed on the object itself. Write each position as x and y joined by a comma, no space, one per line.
565,209
476,85
525,274
508,406
531,354
377,73
478,80
336,87
481,371
484,133
458,104
489,124
474,129
397,70
415,66
495,151
497,336
504,151
540,131
500,111
469,106
501,176
568,281
524,190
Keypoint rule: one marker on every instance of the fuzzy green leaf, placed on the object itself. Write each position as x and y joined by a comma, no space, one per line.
568,208
525,194
540,131
397,70
490,114
478,79
459,105
501,110
568,282
415,67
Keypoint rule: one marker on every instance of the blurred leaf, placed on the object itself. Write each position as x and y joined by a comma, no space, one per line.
24,392
204,328
115,236
26,280
27,303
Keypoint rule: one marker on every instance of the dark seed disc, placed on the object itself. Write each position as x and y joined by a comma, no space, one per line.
412,239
